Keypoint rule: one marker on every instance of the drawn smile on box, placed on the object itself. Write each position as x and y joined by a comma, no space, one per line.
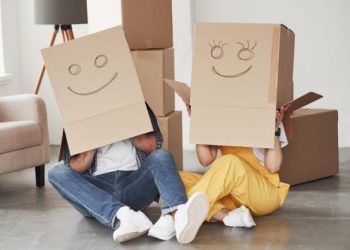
75,69
233,75
245,53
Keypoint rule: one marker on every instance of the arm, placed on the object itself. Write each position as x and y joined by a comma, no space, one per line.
273,157
150,141
206,154
82,162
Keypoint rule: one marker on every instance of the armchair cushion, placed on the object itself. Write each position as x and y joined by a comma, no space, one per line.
16,135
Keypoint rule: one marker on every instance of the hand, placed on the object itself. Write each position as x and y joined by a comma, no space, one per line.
188,107
82,162
280,115
145,142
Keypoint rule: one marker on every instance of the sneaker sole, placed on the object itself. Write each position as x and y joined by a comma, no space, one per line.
160,237
130,236
196,214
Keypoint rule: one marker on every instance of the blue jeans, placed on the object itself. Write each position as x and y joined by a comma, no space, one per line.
101,196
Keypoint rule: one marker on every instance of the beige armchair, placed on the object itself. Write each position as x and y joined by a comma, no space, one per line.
24,140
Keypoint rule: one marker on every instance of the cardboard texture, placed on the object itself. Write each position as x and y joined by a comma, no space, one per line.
152,67
301,102
313,152
182,89
241,74
294,105
148,23
171,128
97,90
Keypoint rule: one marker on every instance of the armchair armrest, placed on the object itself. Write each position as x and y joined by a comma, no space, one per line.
26,107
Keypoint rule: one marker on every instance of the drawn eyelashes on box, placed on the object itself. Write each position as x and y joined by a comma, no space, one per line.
246,53
75,70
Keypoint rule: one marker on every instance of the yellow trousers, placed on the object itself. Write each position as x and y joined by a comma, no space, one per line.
232,182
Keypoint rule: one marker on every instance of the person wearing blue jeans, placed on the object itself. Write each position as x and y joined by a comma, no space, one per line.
116,182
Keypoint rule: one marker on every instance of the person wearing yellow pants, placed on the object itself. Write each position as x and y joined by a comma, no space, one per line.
241,178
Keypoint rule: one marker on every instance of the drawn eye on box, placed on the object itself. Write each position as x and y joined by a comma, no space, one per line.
77,69
245,53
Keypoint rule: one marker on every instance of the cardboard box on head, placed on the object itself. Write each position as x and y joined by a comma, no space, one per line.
184,91
97,90
241,74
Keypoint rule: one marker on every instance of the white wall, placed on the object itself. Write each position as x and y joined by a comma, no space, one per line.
103,16
10,25
322,46
183,20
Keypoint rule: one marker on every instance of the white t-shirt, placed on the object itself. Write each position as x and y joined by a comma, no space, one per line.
116,156
259,152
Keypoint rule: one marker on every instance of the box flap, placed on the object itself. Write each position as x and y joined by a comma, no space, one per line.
182,89
295,105
301,101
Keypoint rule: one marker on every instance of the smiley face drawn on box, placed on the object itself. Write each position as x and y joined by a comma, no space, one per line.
93,75
100,61
245,53
232,62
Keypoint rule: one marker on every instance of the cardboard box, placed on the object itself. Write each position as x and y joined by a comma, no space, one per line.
313,152
97,90
148,23
152,67
296,104
241,74
184,91
171,128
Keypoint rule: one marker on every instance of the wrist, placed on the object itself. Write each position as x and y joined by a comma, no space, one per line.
278,132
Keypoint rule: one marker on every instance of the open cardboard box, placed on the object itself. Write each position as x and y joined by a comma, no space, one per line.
294,105
97,90
184,91
313,151
241,74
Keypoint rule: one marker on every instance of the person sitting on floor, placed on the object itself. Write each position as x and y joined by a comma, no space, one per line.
114,183
242,181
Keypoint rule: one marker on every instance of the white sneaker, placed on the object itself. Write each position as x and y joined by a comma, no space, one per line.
164,229
190,216
239,217
132,224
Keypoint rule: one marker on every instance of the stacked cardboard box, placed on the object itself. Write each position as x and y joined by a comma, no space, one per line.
312,152
148,29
